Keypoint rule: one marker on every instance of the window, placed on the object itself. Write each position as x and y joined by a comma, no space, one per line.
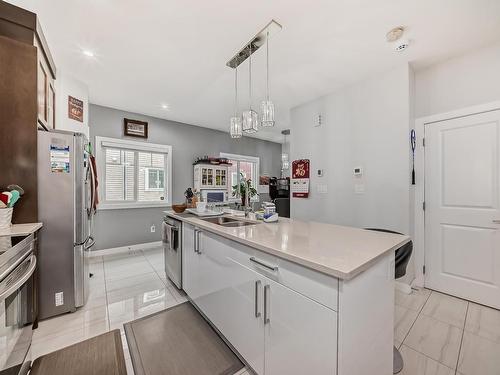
133,174
246,166
155,179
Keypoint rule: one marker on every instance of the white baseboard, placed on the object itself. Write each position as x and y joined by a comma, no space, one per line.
125,249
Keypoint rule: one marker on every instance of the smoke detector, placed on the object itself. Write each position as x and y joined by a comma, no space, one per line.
394,37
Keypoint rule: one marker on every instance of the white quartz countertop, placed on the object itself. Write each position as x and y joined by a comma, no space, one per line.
339,251
21,229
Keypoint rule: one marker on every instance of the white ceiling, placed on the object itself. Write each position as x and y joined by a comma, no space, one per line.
149,52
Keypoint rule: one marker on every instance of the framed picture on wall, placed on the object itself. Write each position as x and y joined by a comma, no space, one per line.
135,128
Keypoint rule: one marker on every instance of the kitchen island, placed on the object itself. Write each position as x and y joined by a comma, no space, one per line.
295,297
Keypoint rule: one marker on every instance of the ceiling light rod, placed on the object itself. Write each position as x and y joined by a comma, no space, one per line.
254,44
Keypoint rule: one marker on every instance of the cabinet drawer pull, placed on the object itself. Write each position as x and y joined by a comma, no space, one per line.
261,263
197,241
267,303
257,286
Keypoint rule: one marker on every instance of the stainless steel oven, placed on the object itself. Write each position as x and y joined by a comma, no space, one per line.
172,250
18,305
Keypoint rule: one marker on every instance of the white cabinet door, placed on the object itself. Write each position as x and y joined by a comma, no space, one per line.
237,313
300,334
190,262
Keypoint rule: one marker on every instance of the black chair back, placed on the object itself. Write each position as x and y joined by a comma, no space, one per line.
403,254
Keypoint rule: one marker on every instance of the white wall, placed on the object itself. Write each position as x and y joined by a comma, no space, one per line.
365,125
68,85
460,82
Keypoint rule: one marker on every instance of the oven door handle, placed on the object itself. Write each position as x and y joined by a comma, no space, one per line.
7,290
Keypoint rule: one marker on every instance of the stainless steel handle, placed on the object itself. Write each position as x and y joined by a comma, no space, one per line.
496,221
257,286
92,243
261,263
6,289
171,237
267,302
196,240
199,242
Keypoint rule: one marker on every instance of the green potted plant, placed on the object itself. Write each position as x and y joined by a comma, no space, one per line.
244,187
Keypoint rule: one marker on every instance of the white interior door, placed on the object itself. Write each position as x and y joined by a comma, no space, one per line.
462,227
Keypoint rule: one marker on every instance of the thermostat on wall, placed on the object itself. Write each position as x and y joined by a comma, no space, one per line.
358,171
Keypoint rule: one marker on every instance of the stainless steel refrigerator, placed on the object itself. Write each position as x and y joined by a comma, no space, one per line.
66,208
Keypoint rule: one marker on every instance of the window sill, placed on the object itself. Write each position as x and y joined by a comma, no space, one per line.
122,206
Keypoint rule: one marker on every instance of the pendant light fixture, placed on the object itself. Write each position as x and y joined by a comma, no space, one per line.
236,127
249,121
250,117
267,106
285,163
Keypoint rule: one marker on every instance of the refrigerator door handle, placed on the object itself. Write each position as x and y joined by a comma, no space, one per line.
92,243
81,243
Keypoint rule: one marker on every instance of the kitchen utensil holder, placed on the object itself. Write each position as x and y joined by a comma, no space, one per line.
6,217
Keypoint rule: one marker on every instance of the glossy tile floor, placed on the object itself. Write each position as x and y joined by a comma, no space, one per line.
442,335
436,334
123,288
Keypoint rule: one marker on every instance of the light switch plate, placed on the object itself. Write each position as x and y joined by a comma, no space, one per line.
322,188
359,188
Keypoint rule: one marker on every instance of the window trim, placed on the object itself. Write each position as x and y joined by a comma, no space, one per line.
244,158
102,142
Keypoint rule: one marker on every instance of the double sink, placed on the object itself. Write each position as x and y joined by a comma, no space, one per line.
229,221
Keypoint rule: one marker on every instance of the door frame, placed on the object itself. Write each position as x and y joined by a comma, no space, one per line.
419,189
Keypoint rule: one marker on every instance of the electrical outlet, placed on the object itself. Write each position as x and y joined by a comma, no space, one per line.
59,299
153,228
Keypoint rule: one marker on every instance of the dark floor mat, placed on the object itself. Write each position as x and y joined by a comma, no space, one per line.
178,341
100,355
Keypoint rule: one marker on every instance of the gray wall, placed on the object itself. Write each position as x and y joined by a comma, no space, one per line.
124,227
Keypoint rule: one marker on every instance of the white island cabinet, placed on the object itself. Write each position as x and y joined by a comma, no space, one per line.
286,317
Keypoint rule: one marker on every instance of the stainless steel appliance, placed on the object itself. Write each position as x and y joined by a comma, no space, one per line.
65,206
172,249
213,195
18,307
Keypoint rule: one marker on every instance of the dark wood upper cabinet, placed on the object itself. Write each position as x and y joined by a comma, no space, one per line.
27,102
22,25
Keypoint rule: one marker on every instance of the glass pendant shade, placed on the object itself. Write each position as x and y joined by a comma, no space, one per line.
236,127
285,164
250,121
267,109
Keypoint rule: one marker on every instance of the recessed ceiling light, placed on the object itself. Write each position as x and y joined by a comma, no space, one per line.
394,34
165,106
88,53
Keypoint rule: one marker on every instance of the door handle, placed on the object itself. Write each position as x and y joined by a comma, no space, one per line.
257,286
267,302
196,240
199,242
92,243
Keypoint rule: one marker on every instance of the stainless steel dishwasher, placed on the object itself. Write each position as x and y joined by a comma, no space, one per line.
172,249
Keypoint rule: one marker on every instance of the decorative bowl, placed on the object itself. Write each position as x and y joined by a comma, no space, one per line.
179,208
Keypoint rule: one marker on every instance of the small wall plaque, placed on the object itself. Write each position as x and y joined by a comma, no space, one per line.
75,109
135,128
